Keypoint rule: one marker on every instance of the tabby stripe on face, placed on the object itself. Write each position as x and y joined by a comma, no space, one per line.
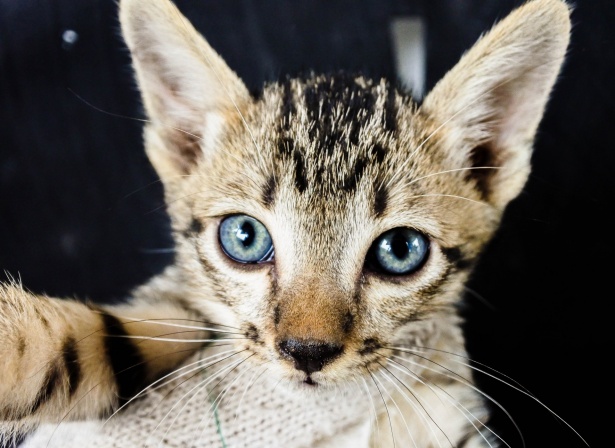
322,98
379,152
426,293
456,258
126,361
286,146
268,194
194,229
381,194
331,130
381,199
350,183
300,179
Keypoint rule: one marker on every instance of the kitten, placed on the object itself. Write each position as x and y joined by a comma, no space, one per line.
324,232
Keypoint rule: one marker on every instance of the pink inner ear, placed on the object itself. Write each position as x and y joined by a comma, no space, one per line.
519,106
165,102
181,78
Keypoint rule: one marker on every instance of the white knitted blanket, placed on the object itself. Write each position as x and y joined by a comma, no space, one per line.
240,409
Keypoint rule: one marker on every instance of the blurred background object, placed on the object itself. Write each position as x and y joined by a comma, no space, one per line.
81,212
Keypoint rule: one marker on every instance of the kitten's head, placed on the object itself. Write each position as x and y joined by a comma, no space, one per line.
330,216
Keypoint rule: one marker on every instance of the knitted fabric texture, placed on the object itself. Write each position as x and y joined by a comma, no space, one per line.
214,408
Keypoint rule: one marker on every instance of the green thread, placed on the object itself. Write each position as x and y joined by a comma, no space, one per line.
215,408
219,427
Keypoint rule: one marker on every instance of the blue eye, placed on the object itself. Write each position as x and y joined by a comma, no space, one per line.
399,251
245,240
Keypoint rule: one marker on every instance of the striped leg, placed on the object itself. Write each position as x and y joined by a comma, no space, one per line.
61,359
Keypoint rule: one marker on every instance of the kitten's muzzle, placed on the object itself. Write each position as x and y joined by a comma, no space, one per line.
309,356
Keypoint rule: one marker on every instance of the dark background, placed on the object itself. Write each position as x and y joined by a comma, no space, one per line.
80,206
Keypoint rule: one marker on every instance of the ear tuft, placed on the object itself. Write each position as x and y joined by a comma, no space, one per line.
491,103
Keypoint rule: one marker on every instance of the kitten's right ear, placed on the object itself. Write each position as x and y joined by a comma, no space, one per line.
187,89
489,105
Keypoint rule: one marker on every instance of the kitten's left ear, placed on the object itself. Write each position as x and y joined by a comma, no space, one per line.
491,103
187,89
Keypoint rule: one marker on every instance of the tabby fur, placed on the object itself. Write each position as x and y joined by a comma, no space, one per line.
327,163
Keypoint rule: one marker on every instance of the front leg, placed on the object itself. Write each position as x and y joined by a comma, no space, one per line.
64,360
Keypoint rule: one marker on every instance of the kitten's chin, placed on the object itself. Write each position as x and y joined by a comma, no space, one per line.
317,383
310,386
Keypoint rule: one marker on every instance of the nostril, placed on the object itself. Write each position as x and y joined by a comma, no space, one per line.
309,356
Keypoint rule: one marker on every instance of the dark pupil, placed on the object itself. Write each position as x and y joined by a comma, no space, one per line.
246,233
399,246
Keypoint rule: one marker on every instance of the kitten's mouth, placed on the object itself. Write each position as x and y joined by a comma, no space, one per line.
310,382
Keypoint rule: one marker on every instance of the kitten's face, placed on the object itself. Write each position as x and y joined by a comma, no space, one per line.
331,217
372,227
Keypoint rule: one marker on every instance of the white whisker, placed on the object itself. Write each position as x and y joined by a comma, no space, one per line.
371,399
500,380
454,171
249,384
194,369
470,104
170,250
465,412
386,408
423,412
160,380
216,402
454,196
172,324
480,298
196,390
156,338
453,375
399,411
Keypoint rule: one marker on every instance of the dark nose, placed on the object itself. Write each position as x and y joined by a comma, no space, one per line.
309,356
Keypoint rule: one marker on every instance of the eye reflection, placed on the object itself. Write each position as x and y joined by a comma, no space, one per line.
245,239
399,251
